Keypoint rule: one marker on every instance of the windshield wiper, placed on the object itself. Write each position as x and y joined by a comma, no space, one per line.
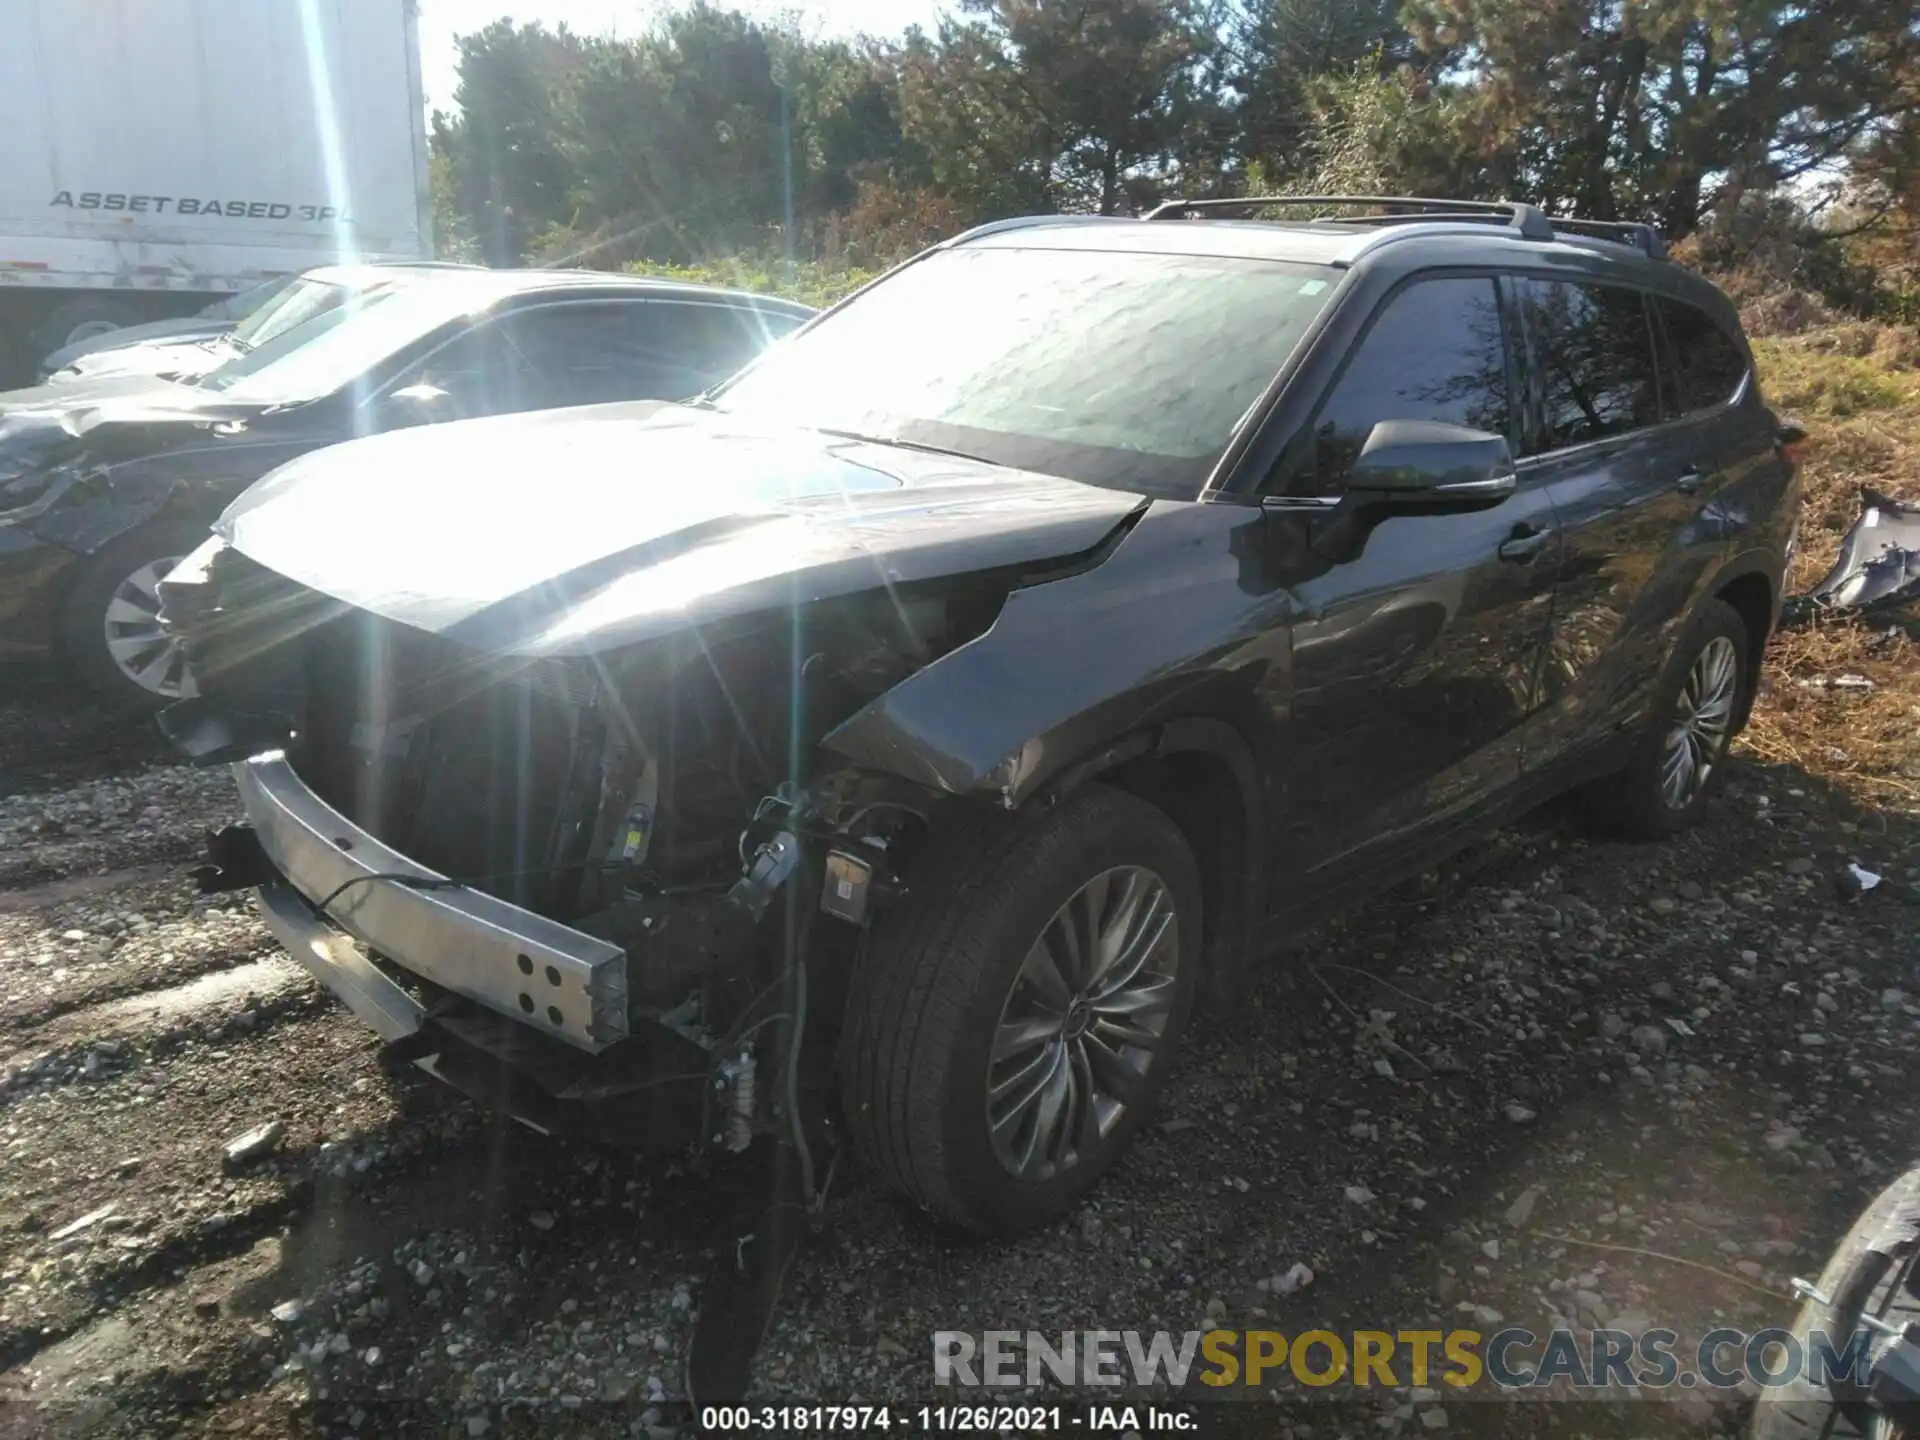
901,444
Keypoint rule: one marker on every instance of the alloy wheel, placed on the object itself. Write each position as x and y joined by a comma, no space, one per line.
1084,1024
144,653
1702,722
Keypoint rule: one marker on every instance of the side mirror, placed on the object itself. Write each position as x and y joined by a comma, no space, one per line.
417,404
1419,463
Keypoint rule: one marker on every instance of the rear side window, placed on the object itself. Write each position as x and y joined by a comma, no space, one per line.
650,350
569,355
537,358
1709,365
706,343
1435,352
1592,361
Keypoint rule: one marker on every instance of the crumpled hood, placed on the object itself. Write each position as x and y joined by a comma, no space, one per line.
109,418
571,531
181,328
187,358
41,426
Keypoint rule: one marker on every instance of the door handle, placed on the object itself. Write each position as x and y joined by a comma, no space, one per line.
1524,544
1690,481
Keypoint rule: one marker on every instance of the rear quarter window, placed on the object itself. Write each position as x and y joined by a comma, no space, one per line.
1708,363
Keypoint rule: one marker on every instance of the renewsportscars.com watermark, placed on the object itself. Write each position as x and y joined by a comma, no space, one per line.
1506,1360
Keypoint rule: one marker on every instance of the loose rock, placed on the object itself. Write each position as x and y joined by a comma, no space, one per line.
256,1142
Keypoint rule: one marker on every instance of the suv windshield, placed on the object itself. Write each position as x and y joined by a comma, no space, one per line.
1123,369
334,347
250,300
300,301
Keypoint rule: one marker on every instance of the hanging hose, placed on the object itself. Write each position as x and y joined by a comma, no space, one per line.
799,973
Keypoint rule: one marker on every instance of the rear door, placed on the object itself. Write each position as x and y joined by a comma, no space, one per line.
1626,482
1414,660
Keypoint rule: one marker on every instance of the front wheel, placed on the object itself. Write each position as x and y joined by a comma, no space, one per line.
110,628
1014,1017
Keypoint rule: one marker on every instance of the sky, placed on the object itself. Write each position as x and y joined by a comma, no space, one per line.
442,20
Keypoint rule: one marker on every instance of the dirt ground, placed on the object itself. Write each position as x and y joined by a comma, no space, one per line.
1697,1059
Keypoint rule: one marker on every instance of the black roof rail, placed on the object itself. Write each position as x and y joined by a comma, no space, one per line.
1522,217
1643,238
1528,221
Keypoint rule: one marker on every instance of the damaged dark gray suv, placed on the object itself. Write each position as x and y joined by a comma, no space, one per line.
901,739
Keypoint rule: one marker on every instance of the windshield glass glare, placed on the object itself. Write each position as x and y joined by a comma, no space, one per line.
336,347
1087,364
250,300
299,302
311,296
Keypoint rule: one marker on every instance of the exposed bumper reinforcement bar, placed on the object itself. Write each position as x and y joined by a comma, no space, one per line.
549,977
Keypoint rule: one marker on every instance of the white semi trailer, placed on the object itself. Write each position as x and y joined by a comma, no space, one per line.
158,155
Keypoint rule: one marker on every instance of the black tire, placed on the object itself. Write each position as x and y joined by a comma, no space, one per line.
84,617
929,994
1632,802
81,318
1858,1275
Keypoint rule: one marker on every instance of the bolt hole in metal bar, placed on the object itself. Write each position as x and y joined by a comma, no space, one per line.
465,940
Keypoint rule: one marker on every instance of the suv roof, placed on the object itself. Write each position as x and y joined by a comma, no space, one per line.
1398,229
490,284
515,282
1527,221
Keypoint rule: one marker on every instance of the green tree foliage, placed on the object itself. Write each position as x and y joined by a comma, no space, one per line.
1364,132
1665,109
680,138
1281,52
709,133
504,171
718,139
1072,105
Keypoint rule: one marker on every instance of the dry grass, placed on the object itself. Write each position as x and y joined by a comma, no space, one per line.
1856,388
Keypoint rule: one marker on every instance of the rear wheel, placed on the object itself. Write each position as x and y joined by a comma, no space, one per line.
1013,1020
1677,761
111,626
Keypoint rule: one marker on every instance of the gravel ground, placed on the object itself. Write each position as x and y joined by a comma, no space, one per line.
1480,1102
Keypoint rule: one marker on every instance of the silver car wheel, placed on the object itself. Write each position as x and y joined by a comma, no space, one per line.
1701,724
1084,1023
143,652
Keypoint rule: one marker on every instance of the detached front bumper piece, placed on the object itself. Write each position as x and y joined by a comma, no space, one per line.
339,964
551,978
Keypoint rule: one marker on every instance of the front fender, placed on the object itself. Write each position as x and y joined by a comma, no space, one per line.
84,526
1168,626
106,505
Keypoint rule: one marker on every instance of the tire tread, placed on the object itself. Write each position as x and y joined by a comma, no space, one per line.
919,971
